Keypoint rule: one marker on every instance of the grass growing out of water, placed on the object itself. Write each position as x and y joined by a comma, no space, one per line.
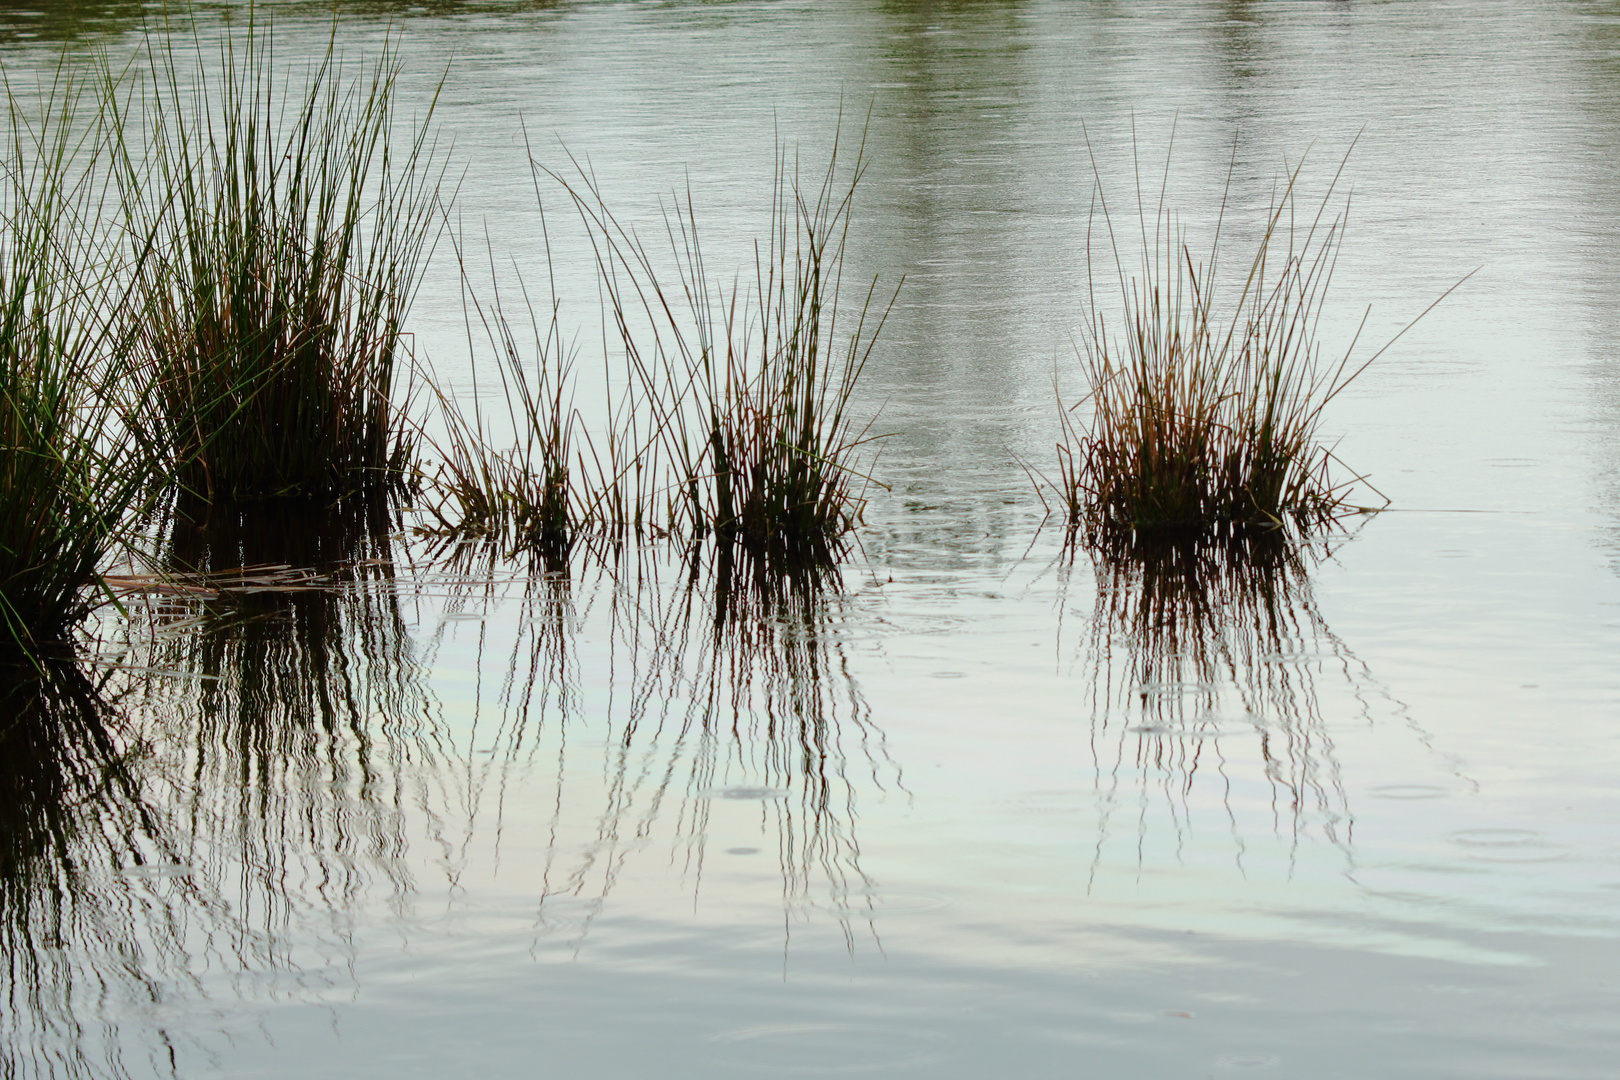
288,225
747,387
1206,389
530,496
560,480
519,498
731,417
71,471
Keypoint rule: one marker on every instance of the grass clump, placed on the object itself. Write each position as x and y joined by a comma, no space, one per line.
72,472
288,227
730,417
1206,389
748,385
529,496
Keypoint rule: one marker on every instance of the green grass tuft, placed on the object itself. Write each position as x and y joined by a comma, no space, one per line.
747,387
730,418
288,225
533,496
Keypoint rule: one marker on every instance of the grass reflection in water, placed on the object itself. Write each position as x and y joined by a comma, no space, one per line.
1199,636
100,913
307,771
299,742
289,721
725,680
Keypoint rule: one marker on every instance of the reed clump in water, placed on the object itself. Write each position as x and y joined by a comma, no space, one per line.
747,388
537,495
288,224
72,472
730,419
1206,390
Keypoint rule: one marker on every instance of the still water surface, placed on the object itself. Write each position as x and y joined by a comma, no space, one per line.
971,809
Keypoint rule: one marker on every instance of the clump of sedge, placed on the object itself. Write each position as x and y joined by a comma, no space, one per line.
73,471
749,386
1206,393
287,223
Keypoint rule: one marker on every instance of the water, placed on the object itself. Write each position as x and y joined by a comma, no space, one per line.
963,812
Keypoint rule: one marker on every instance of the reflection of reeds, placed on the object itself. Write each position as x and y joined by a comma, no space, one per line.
1196,613
1182,625
98,910
301,731
768,692
726,681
